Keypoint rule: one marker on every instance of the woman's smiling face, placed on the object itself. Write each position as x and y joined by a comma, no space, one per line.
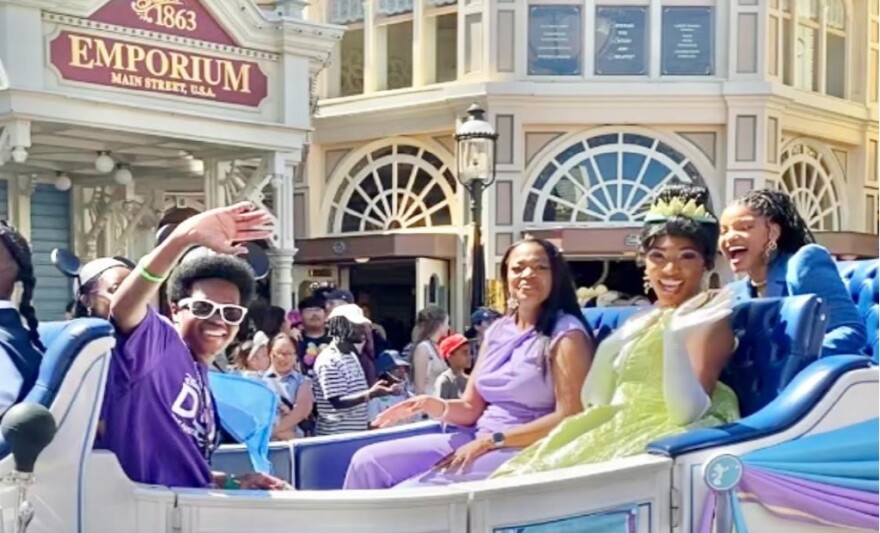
745,237
674,268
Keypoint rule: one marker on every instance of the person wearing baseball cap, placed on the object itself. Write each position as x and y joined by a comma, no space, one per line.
341,390
97,281
455,349
393,369
481,319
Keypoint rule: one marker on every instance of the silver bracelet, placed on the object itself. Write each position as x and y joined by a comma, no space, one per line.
445,410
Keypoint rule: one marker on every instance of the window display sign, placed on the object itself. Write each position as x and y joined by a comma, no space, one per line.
622,41
555,40
687,41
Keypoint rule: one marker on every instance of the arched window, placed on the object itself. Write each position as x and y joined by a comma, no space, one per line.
808,176
393,187
608,178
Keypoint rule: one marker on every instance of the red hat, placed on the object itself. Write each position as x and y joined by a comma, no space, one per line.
452,343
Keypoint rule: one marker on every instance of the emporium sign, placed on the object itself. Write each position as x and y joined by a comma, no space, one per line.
100,60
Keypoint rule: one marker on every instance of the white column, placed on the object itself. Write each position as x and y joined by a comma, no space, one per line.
21,188
375,51
214,177
281,167
424,45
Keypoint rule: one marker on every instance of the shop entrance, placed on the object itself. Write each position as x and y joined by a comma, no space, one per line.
621,275
388,290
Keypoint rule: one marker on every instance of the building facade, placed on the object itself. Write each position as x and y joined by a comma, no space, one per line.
598,103
120,115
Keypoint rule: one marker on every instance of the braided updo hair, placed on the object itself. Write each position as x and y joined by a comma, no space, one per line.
20,251
777,207
703,233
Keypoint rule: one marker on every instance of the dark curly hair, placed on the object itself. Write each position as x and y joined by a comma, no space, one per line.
225,267
704,234
20,251
777,207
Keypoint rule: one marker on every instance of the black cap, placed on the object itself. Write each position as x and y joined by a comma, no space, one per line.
341,294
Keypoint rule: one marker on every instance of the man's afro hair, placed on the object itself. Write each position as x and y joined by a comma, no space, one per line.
225,267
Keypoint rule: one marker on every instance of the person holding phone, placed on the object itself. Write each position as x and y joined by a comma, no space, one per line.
341,390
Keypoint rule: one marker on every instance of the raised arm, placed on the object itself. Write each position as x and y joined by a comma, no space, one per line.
218,229
696,345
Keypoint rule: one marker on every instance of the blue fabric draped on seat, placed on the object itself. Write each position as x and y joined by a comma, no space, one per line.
246,408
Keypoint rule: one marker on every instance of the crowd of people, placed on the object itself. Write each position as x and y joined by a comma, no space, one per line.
526,391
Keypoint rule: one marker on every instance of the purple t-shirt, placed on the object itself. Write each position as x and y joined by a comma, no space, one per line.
159,419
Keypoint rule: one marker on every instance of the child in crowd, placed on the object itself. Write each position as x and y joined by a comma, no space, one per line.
295,397
455,349
251,357
393,370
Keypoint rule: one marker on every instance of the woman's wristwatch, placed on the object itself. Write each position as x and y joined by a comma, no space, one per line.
498,440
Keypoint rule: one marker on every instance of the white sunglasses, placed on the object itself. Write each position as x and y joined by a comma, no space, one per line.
205,309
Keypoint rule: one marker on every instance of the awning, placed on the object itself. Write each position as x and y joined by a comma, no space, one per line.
348,249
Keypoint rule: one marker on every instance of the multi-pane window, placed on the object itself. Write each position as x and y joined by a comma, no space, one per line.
394,32
807,43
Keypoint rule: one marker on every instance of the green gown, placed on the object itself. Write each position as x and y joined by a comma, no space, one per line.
635,417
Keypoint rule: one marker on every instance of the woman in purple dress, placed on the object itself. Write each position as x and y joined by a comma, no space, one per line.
527,379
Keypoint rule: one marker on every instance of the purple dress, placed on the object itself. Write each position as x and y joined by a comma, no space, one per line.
517,387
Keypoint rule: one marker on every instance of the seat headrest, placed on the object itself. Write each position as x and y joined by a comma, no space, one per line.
778,337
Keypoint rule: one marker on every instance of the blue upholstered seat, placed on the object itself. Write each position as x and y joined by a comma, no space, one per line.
320,463
234,459
64,341
861,279
778,337
604,320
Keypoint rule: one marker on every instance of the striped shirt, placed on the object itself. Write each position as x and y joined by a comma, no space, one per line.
338,374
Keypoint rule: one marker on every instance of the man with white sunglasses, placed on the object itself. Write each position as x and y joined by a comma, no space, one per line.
160,420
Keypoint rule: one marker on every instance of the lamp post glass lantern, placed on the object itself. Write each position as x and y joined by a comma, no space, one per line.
475,141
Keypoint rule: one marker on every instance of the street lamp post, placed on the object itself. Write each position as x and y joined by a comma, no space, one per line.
475,141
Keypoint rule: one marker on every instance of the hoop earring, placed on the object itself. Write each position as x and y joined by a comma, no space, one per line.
646,285
770,250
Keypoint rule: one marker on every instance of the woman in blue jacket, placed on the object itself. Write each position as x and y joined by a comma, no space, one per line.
769,243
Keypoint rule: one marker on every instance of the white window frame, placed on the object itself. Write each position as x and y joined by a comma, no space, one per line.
790,14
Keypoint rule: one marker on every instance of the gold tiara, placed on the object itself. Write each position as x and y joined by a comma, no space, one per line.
662,210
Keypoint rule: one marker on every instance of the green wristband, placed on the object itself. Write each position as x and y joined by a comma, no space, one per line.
147,275
231,483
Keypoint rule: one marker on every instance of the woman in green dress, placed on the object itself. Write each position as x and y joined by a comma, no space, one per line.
657,375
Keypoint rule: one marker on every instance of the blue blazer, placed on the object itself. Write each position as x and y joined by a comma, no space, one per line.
811,270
